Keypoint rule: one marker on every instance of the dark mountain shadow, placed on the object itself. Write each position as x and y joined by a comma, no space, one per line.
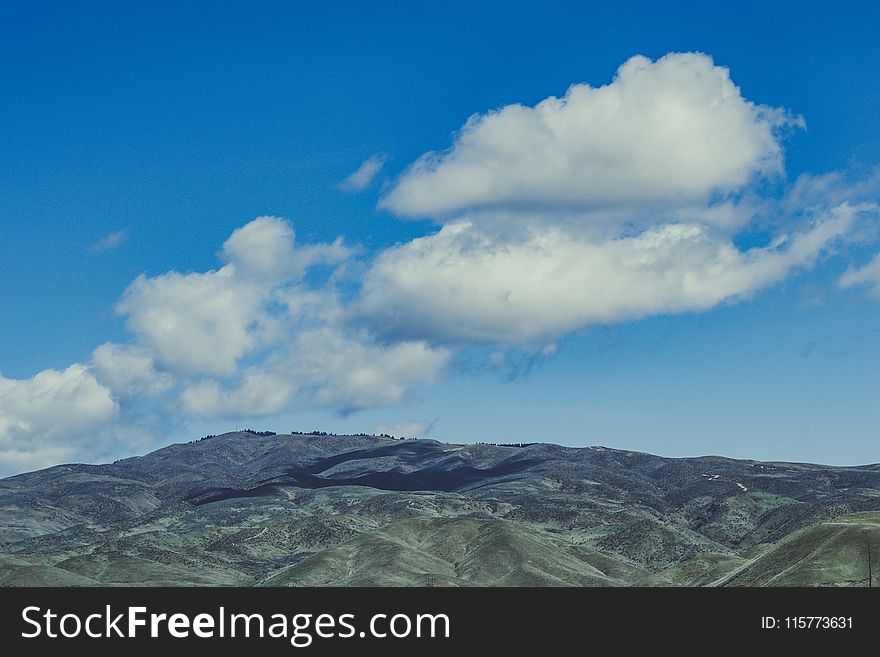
437,478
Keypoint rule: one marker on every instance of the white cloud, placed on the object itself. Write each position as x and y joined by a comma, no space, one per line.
129,371
318,361
109,242
349,371
257,311
366,172
264,250
833,188
671,132
607,205
869,276
466,285
205,323
257,393
44,419
324,367
251,338
408,429
195,323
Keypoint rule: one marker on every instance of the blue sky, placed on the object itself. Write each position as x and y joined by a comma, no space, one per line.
136,140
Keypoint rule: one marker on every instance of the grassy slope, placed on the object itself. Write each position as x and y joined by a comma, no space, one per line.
459,551
832,553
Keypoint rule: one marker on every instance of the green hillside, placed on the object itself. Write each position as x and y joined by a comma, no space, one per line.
457,552
838,552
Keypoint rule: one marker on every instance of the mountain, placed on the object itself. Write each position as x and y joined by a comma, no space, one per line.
308,509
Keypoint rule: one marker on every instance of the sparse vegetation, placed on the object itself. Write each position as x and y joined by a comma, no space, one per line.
361,509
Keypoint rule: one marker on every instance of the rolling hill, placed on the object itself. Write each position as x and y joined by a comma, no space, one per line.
305,510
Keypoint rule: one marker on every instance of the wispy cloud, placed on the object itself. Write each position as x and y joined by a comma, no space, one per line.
110,242
364,175
869,276
410,429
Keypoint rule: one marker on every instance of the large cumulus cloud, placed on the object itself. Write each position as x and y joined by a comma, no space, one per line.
609,204
669,132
